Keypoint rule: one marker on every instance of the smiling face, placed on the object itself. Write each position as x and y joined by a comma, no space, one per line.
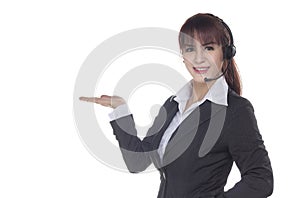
201,40
202,60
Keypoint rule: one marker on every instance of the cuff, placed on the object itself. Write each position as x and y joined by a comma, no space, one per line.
120,111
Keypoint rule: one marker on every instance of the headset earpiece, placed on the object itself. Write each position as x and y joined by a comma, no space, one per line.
229,52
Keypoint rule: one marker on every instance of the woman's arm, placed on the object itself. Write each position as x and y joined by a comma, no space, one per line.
136,152
133,149
248,151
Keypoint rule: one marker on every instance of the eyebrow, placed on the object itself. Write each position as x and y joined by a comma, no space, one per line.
209,43
205,44
188,45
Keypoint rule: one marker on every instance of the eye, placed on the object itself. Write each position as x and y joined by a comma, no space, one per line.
189,49
209,48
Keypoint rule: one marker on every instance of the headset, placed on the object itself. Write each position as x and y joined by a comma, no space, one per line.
228,51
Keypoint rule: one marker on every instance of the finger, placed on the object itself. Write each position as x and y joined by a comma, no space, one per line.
88,99
83,98
106,100
106,97
91,99
102,101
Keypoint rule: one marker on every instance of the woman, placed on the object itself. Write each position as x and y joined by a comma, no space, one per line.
204,128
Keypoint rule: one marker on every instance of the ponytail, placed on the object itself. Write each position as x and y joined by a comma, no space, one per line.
233,78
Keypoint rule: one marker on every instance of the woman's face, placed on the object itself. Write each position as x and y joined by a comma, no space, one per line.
202,60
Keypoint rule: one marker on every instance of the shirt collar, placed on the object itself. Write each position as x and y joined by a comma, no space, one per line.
216,94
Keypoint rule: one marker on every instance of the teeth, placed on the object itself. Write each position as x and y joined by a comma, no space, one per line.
201,68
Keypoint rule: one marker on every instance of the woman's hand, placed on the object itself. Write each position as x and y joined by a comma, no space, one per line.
105,100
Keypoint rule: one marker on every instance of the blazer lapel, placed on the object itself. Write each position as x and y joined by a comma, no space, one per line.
187,130
166,114
160,124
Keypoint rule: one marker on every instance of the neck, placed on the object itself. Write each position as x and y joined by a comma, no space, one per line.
200,90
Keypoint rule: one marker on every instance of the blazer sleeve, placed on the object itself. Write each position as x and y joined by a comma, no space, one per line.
132,148
136,152
247,149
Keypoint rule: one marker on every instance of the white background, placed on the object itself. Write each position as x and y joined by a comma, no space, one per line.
43,45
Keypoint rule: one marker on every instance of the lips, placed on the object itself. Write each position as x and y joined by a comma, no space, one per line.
201,70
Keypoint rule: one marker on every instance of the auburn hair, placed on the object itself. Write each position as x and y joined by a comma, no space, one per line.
206,28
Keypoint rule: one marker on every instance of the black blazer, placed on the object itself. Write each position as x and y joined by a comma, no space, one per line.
200,154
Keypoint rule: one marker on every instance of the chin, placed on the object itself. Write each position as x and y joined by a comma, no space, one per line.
199,79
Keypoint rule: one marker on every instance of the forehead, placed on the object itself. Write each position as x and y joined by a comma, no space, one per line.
201,36
193,41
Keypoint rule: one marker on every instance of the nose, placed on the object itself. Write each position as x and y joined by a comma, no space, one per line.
199,56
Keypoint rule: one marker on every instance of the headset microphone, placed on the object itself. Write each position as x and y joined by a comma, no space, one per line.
212,79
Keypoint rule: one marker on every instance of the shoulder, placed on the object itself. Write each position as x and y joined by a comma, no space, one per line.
237,103
241,127
240,116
